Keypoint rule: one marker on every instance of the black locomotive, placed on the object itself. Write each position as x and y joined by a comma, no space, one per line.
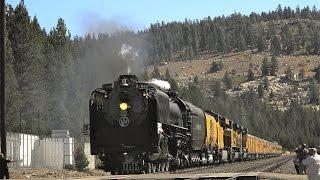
138,127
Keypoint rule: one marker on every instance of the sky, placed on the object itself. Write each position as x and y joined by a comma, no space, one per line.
82,16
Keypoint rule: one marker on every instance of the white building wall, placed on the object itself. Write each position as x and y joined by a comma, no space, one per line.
28,151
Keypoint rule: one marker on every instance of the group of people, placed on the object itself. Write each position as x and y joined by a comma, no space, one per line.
307,161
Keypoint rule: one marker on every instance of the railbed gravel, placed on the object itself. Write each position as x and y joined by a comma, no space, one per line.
286,168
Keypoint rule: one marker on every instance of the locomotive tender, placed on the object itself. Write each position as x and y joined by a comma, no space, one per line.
138,127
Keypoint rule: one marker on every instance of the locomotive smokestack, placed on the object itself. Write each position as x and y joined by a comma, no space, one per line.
130,55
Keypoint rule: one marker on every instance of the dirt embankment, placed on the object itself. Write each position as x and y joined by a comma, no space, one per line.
49,173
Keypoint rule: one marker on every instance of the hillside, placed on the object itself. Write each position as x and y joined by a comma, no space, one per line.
238,65
238,62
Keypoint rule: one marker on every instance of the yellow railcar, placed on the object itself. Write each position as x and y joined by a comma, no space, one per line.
214,131
211,137
250,143
231,142
257,147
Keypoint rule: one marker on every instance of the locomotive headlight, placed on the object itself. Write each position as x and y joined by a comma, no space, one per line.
123,106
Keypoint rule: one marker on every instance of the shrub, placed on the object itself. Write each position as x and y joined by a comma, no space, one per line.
81,161
216,67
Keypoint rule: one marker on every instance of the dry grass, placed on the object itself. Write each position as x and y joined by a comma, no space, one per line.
237,63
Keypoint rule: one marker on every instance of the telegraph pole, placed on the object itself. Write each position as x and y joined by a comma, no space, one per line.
38,123
2,77
20,126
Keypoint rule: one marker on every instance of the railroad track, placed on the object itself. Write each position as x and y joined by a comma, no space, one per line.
261,165
236,170
268,166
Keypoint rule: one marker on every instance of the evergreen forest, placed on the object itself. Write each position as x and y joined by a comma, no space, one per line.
50,73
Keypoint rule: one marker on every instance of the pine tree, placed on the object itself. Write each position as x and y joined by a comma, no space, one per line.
265,66
58,64
81,161
216,67
275,45
227,80
314,93
13,94
174,85
302,74
156,72
241,44
145,76
216,88
317,75
273,66
288,40
261,43
250,75
265,83
271,95
260,90
167,75
289,74
196,80
27,49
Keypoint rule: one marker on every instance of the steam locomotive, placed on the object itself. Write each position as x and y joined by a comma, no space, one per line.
143,127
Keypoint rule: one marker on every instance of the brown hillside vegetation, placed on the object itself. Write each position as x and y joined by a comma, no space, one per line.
237,63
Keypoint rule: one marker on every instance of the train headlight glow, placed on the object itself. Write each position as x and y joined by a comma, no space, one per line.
123,106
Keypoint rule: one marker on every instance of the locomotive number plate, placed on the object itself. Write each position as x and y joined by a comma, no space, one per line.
124,121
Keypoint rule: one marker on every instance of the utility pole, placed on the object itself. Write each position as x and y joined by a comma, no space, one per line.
83,129
2,77
38,123
20,128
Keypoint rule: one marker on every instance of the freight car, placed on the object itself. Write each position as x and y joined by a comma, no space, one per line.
138,127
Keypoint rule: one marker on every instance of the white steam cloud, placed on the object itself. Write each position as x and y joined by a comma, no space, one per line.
163,85
130,55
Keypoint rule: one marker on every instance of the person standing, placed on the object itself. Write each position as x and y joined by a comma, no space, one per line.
296,164
302,153
312,162
4,171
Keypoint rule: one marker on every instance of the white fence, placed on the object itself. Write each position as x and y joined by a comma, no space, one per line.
30,152
19,148
48,153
